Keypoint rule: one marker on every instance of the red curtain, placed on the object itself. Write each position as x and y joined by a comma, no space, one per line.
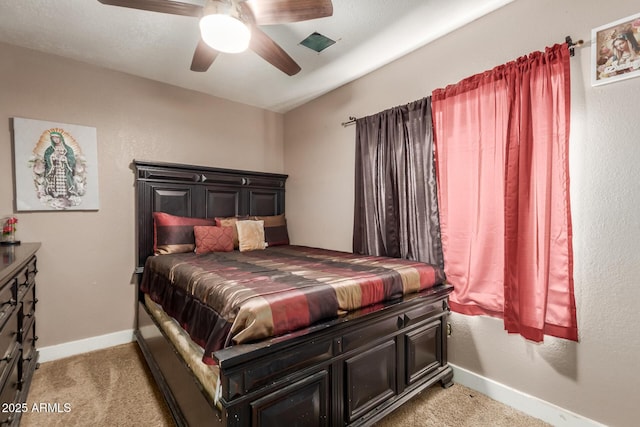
502,141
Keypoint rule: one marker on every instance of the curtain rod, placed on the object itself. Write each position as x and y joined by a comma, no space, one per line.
351,121
568,40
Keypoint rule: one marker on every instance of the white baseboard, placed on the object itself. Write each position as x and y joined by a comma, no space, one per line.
523,402
72,348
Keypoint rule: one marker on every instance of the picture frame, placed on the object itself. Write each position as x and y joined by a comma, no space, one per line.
55,166
615,51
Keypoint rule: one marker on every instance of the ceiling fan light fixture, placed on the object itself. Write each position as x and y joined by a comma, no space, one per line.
223,29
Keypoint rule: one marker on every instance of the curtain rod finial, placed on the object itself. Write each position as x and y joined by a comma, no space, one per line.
572,45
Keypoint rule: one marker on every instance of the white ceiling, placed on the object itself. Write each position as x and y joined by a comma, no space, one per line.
369,34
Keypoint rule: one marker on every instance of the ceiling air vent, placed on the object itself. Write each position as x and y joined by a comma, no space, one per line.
318,42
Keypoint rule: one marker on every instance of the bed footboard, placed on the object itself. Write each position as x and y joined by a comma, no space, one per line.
351,371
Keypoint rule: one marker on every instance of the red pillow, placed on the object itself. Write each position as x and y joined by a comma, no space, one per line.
174,234
213,239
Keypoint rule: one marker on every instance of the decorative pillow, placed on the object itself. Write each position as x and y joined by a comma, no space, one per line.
275,229
231,222
174,234
251,235
213,239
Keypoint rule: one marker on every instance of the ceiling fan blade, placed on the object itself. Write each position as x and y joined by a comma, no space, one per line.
203,57
163,6
268,12
264,46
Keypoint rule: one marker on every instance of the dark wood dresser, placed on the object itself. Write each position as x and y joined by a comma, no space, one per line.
19,357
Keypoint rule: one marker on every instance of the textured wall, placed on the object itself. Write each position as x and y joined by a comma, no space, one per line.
597,377
87,258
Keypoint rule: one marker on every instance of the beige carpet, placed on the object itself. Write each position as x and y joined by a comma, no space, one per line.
457,406
113,387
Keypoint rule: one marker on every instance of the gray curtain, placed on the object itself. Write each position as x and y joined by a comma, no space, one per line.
396,207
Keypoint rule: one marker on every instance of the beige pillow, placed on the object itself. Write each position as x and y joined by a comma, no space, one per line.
251,235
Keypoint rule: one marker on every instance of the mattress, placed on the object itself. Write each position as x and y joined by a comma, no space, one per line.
227,298
191,353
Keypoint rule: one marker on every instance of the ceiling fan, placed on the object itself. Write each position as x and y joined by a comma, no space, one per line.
232,25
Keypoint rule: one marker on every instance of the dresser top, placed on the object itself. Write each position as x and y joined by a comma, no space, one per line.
13,257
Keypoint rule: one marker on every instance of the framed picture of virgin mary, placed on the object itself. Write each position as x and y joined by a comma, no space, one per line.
615,51
55,165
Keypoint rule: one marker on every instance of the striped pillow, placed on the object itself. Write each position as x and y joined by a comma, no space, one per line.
275,229
174,234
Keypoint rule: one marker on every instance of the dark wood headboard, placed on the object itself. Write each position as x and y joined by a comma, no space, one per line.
201,192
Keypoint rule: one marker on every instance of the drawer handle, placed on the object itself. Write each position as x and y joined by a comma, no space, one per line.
30,314
35,338
6,359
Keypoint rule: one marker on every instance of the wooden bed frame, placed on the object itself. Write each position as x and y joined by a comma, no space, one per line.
352,370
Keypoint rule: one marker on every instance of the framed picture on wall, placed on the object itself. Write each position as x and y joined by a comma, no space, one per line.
56,166
615,51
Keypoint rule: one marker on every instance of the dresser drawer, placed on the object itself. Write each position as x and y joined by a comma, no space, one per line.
8,339
28,300
28,353
9,392
27,275
29,339
8,296
9,355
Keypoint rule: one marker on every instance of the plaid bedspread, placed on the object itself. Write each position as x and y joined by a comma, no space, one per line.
227,298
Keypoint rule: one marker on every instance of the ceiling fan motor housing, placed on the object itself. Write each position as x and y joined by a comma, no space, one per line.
224,27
